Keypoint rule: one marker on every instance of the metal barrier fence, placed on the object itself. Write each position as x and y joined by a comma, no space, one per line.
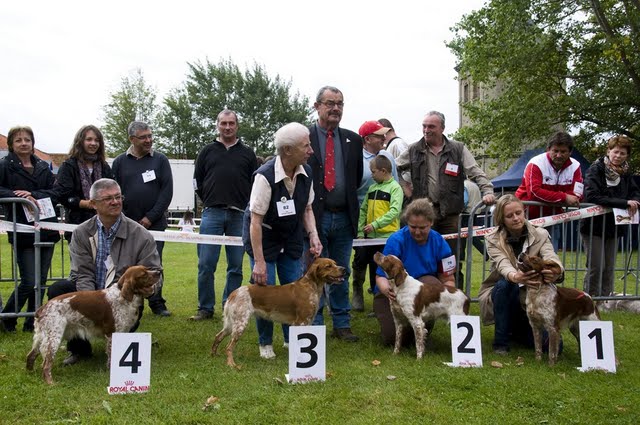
13,276
476,270
570,247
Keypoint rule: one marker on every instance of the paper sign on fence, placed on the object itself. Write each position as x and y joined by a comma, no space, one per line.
46,209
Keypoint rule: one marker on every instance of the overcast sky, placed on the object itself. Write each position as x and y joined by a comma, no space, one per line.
61,59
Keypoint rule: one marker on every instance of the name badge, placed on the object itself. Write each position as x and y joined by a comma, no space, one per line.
451,169
285,207
578,188
448,265
108,262
148,176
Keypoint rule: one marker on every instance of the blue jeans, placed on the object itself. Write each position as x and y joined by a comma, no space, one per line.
288,270
156,302
511,322
25,290
218,221
337,241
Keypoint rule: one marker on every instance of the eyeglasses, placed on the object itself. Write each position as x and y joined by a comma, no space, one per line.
114,198
143,137
331,104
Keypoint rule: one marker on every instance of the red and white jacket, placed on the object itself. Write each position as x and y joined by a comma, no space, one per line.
543,183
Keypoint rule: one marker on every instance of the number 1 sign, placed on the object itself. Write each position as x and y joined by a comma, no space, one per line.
596,346
130,363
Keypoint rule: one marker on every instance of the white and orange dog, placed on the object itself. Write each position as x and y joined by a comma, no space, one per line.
294,304
417,302
90,314
552,308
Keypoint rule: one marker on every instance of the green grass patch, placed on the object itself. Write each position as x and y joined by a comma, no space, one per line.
184,375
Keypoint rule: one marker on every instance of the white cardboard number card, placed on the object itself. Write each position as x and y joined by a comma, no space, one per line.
130,363
466,347
596,346
307,354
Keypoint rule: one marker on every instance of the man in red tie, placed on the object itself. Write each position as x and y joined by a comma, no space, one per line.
336,166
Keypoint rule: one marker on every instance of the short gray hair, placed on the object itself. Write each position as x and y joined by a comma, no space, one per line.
324,89
136,126
226,112
437,114
100,185
289,135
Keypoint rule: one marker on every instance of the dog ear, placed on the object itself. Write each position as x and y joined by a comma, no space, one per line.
126,286
399,276
312,270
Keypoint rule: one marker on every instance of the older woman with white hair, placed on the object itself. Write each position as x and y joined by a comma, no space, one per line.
277,218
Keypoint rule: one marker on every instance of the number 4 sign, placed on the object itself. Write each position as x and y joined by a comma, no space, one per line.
596,346
307,354
466,347
130,363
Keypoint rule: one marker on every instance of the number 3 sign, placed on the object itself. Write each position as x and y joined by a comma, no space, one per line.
307,354
130,363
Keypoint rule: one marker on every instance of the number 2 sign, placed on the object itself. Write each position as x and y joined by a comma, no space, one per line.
466,345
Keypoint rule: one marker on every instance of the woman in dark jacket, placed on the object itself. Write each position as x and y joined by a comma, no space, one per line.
24,175
608,183
86,164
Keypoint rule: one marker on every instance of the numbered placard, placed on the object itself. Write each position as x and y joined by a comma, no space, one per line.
596,346
307,354
130,363
466,347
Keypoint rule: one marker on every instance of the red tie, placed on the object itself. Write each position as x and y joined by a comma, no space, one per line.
329,164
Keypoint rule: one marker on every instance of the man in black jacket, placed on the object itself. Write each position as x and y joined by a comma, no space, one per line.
145,178
336,166
223,176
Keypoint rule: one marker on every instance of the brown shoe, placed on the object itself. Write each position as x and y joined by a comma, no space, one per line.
344,334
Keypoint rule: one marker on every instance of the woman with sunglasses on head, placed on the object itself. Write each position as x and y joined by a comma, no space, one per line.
24,175
86,164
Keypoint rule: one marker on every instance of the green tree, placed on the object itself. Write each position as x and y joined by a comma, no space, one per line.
134,100
263,104
553,63
180,133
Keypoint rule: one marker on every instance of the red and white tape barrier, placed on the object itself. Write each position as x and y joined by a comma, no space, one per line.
185,237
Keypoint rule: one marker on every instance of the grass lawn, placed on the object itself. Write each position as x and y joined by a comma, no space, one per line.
184,375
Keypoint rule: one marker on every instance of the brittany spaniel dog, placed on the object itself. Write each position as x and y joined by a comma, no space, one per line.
90,314
553,308
292,304
417,302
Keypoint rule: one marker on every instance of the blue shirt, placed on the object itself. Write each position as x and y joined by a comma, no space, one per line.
418,260
105,239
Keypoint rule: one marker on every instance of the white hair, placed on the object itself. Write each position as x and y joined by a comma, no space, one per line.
289,135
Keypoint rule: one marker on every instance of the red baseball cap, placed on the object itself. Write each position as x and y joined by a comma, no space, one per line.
372,127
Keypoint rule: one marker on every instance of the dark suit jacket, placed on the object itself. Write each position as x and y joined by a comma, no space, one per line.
352,154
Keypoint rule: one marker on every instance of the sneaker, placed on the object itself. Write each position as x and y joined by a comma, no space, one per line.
71,359
344,334
266,352
162,311
202,315
285,345
501,351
